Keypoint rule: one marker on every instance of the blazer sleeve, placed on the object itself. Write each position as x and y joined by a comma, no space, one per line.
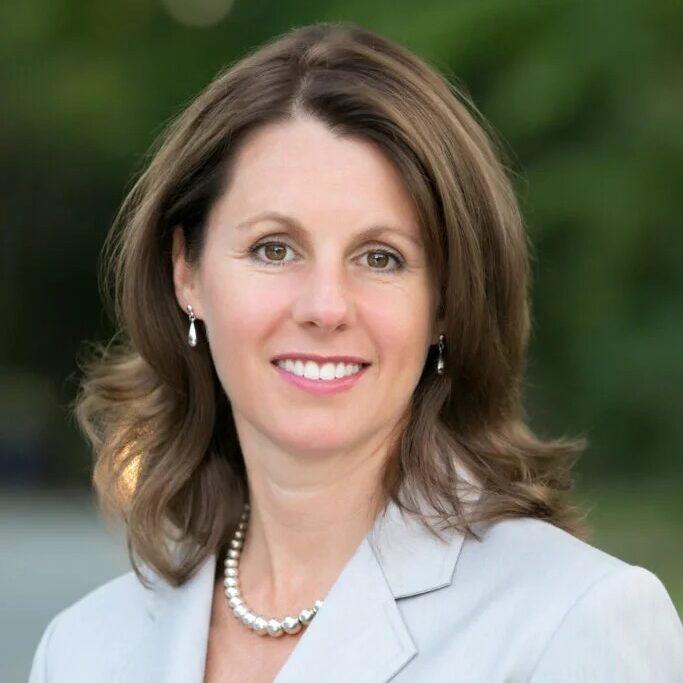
39,667
623,628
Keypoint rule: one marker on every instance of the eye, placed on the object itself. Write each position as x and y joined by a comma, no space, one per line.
272,249
385,254
275,253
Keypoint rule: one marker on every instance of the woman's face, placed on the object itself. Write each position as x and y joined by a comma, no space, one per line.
265,288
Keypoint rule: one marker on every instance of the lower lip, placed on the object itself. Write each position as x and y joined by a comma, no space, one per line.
321,386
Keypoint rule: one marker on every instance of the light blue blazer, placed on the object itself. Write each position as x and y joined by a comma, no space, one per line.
530,603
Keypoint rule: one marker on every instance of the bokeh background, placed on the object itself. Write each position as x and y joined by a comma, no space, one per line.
587,99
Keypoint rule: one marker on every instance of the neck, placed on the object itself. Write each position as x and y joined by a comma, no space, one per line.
308,516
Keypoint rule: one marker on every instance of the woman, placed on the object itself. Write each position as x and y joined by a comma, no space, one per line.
312,424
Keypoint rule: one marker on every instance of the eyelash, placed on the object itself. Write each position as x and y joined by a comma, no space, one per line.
400,263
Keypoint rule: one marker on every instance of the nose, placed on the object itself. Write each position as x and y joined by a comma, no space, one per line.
325,299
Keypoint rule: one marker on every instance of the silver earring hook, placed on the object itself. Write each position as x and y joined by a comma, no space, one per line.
440,362
192,332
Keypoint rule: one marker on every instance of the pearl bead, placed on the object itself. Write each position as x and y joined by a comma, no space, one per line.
291,625
274,628
260,626
305,616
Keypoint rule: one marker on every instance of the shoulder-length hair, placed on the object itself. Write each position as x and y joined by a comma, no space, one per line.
167,457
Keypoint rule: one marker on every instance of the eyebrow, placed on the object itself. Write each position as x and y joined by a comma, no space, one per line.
373,231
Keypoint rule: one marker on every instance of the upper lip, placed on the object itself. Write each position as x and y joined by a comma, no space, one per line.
321,359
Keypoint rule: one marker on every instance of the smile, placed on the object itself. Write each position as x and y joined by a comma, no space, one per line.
325,378
324,372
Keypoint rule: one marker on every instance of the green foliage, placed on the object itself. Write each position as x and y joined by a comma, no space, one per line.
586,98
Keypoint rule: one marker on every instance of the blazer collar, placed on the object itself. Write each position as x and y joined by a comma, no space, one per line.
359,633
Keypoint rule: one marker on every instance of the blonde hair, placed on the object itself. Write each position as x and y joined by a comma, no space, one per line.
167,457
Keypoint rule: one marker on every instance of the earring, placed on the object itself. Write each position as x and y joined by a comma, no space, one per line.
440,363
192,332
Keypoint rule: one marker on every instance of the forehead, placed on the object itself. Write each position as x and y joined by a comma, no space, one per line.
301,168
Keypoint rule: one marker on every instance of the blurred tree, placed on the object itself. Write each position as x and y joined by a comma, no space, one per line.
586,98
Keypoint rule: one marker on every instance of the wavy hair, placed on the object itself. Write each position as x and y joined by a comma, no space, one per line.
167,459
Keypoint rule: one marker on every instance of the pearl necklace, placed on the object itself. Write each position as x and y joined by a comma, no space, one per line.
257,623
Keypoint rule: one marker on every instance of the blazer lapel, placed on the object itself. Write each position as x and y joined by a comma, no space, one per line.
358,635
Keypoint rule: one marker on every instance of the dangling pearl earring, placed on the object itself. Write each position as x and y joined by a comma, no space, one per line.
440,363
192,332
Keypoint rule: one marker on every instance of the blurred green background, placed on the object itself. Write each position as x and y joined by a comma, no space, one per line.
587,99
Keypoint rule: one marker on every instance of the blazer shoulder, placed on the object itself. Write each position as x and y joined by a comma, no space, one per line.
81,638
534,548
120,598
565,606
547,564
531,567
624,626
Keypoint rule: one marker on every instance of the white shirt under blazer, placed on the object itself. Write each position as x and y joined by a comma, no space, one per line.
530,603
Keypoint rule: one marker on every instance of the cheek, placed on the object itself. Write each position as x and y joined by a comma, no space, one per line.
398,319
238,316
239,304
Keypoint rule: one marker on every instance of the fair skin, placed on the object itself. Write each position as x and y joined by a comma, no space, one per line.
313,461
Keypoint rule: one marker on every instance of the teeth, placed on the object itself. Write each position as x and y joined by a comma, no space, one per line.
312,370
325,372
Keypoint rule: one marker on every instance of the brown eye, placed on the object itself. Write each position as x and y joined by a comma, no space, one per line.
379,258
275,252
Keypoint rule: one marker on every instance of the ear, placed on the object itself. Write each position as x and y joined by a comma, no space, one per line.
184,275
